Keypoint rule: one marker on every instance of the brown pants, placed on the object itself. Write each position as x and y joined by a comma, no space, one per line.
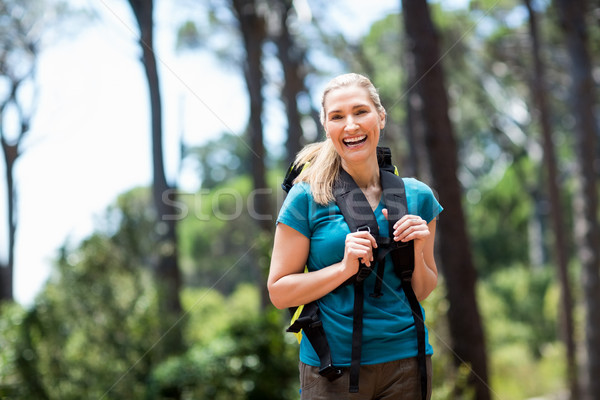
398,380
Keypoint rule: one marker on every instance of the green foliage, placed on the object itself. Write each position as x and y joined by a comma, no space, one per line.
499,217
520,306
221,244
220,213
92,329
529,299
221,159
238,352
447,380
12,316
95,330
211,313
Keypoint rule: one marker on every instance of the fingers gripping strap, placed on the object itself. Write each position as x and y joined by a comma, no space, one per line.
394,196
357,213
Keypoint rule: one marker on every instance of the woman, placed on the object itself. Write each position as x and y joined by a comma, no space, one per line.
311,231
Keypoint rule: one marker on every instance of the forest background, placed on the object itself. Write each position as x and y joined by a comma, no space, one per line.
492,103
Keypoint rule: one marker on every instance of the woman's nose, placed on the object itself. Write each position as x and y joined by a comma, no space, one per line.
350,124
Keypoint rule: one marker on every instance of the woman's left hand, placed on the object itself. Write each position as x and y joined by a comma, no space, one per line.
413,227
410,227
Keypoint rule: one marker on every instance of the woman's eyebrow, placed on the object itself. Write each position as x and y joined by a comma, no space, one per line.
360,105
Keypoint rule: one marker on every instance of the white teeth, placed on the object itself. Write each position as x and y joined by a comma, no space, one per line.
354,139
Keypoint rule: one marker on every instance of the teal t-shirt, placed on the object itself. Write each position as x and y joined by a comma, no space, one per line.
388,328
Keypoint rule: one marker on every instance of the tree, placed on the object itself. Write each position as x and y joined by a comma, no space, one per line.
456,260
292,59
20,35
252,27
167,269
539,92
587,228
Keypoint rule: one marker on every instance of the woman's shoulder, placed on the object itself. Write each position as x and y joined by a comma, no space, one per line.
416,185
421,199
299,197
300,189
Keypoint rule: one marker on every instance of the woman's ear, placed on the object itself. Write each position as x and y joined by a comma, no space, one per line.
382,118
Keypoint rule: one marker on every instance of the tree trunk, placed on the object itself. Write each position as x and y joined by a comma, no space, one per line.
456,260
18,58
415,131
12,150
252,27
292,59
167,267
11,154
556,209
253,31
587,229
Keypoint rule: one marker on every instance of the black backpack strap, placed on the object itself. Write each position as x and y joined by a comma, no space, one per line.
357,213
359,216
420,327
291,174
357,330
354,205
310,323
403,256
384,159
394,197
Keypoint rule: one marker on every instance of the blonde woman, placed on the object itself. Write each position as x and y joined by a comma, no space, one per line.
311,231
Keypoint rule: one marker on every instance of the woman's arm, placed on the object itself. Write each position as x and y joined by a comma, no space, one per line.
289,286
425,275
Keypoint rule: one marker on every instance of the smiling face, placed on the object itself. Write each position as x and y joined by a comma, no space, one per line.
352,122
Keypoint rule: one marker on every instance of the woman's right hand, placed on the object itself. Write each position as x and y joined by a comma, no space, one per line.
289,286
359,248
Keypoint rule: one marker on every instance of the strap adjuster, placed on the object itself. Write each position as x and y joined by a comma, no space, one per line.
330,372
362,273
407,275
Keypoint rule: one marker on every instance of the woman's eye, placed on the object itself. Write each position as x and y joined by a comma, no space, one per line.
361,112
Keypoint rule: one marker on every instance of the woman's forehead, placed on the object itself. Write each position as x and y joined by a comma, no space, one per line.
347,96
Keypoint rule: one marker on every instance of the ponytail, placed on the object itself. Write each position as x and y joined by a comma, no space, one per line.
322,164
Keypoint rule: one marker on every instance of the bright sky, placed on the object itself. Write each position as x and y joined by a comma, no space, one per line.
90,139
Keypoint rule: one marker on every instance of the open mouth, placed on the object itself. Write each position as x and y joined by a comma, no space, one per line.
355,141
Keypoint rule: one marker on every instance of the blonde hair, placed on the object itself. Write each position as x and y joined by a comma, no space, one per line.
321,161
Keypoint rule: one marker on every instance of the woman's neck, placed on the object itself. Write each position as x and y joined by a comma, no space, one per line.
366,175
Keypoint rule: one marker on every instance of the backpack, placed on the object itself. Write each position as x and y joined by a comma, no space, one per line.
352,203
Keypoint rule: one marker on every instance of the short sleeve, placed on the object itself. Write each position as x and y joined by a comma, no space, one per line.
295,211
422,200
